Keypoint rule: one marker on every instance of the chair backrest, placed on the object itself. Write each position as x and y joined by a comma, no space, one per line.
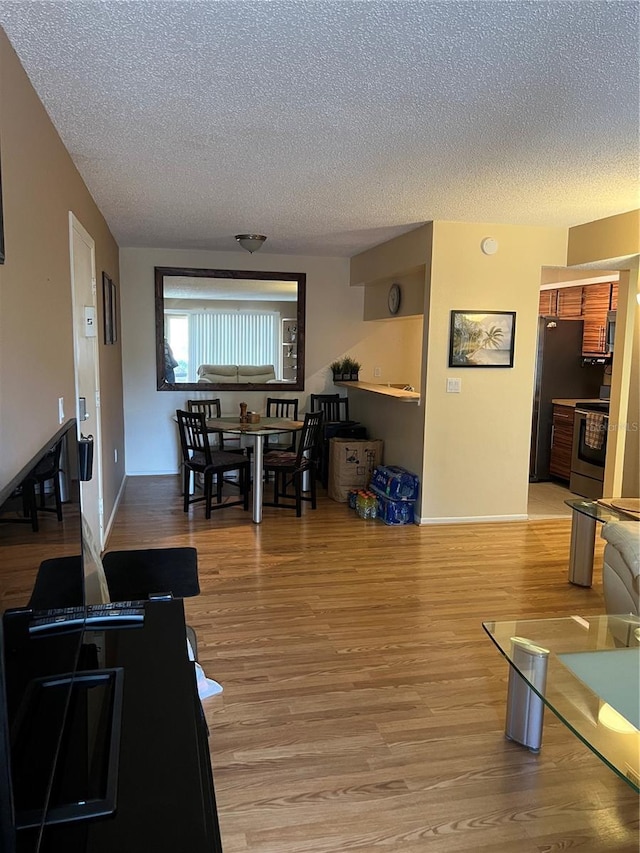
333,406
194,438
48,466
278,407
211,408
309,438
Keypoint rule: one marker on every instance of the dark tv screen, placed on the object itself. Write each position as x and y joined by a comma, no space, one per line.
25,660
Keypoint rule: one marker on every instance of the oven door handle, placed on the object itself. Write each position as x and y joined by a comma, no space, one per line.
605,415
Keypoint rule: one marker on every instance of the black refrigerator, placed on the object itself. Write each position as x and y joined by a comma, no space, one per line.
559,374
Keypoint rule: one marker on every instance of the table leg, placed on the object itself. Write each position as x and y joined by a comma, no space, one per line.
525,708
257,478
583,540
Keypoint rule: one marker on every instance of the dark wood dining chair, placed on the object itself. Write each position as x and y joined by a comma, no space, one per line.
290,467
280,407
333,407
218,440
34,495
335,413
198,457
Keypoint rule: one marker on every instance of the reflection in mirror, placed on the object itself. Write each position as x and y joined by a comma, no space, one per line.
229,330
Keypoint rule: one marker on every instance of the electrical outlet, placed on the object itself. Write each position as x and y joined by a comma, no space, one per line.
454,386
60,410
377,371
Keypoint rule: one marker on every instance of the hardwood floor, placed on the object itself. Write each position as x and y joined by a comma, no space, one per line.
363,705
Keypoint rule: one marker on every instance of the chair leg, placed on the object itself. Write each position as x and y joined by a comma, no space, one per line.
185,488
58,496
32,503
297,484
312,484
208,493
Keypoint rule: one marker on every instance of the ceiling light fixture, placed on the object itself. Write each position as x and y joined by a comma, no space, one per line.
251,242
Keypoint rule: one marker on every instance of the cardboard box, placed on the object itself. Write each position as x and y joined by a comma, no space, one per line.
351,465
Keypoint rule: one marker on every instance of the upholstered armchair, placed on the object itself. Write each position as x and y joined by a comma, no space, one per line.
621,567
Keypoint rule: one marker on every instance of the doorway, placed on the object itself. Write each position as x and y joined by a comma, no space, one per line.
87,368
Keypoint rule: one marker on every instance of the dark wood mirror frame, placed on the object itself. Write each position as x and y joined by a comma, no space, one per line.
162,272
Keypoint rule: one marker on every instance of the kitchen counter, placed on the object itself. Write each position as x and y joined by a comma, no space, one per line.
579,402
384,390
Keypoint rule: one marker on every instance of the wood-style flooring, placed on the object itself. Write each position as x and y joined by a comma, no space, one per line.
363,704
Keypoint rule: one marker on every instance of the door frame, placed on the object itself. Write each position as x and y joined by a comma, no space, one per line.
78,305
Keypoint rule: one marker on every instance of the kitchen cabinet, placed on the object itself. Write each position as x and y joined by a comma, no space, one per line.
289,348
614,296
548,302
570,302
561,442
597,298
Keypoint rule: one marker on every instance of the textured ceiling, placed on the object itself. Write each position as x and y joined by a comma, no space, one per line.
332,126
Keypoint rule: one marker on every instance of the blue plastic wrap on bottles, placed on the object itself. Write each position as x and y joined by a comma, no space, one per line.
395,512
395,482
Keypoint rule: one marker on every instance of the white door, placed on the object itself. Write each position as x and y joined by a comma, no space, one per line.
85,348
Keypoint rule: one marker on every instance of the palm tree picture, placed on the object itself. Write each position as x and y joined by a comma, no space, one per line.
482,338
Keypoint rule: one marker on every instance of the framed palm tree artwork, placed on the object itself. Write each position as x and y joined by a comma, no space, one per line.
482,338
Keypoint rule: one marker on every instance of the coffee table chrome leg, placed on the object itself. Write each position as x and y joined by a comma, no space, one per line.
525,708
583,540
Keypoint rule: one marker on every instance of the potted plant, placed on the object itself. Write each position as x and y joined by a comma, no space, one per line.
350,369
336,368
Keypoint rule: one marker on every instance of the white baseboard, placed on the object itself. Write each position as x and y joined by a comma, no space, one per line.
153,473
472,519
112,517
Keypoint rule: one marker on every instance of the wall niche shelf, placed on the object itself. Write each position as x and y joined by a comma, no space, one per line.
289,348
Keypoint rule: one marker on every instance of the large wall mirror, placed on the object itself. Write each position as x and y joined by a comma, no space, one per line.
229,330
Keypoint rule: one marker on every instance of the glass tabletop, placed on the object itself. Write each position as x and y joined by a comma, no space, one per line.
265,426
593,680
598,511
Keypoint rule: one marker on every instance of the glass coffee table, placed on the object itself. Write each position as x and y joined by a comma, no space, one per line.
584,515
584,669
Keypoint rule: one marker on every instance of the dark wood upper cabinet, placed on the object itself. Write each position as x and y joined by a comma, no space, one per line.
547,303
570,302
597,298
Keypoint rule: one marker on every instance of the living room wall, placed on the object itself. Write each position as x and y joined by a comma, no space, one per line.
40,185
334,327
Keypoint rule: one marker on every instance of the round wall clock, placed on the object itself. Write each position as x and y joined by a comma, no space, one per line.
393,300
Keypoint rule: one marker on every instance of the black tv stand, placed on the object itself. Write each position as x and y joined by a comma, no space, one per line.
164,793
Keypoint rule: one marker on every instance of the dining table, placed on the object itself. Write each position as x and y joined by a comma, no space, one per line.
257,432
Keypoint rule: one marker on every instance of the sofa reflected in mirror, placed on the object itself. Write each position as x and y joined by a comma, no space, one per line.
229,330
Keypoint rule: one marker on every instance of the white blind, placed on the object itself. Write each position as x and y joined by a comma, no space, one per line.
221,337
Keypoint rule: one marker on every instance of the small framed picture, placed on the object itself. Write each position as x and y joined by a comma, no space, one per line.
109,296
482,338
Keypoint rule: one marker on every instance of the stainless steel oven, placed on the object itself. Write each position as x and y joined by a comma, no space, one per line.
589,452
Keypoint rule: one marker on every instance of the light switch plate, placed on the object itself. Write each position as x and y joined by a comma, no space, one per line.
454,386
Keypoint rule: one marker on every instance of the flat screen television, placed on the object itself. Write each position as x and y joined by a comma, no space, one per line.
56,714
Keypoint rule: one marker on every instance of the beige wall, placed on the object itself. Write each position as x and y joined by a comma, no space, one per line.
334,327
613,237
615,242
476,443
40,186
